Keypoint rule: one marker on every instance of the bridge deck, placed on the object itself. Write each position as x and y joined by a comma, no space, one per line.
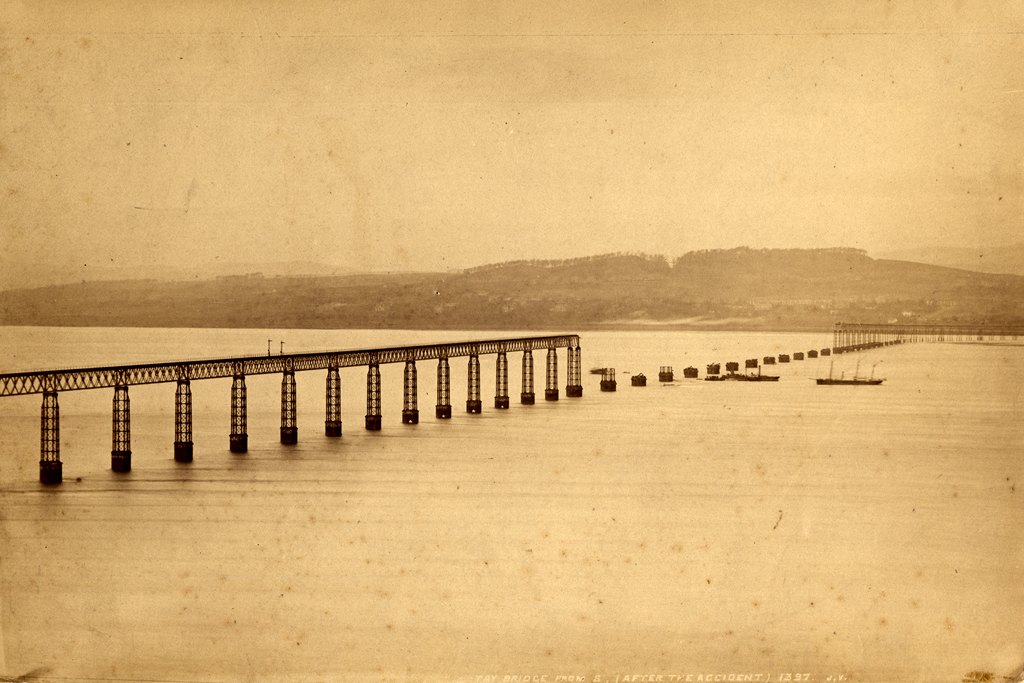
926,329
72,379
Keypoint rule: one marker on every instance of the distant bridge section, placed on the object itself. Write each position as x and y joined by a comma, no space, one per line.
847,337
50,382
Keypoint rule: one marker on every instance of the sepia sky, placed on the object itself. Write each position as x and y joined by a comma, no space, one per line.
432,135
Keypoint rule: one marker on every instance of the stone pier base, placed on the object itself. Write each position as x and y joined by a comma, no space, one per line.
121,461
50,471
183,451
239,443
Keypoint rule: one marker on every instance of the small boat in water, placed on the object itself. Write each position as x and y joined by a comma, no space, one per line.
758,378
751,377
639,380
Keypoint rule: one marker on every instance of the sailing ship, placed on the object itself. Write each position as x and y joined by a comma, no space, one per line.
857,380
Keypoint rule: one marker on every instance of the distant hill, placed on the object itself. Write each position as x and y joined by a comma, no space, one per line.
736,289
1009,259
25,276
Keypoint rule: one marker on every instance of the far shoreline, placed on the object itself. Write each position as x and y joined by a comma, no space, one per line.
724,326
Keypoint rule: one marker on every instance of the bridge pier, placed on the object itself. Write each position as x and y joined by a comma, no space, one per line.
239,437
501,381
121,452
444,390
289,420
574,387
332,425
183,422
527,396
410,412
373,397
50,468
473,403
609,383
551,386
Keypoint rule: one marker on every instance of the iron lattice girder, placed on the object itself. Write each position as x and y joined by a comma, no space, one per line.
74,379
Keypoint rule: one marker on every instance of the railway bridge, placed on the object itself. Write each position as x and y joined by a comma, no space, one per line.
847,337
50,382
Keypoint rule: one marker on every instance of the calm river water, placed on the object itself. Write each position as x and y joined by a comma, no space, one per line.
685,529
